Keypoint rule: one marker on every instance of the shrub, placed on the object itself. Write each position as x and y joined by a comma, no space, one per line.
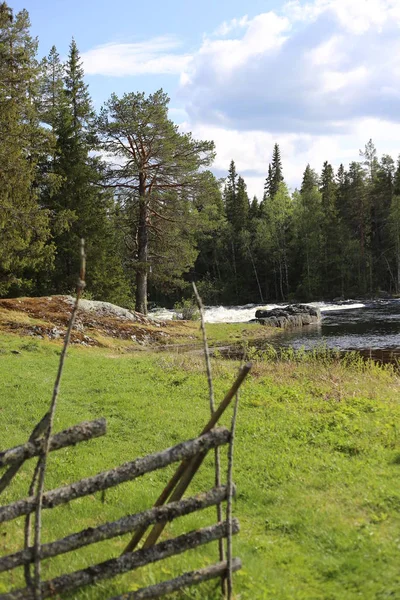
186,310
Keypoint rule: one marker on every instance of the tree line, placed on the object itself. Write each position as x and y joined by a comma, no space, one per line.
152,213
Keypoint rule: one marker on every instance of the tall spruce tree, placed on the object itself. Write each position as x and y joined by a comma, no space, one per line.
308,216
275,174
394,229
273,238
332,248
359,206
81,208
24,225
230,192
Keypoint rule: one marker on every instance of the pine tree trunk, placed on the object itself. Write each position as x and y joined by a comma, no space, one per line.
143,251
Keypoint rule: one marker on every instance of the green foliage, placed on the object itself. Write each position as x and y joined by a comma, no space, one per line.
160,214
158,181
24,225
187,310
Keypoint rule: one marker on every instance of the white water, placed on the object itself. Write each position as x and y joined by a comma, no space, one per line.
243,314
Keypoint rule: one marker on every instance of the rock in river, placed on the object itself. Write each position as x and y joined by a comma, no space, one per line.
294,315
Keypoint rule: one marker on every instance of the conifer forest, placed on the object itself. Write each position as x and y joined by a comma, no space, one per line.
154,216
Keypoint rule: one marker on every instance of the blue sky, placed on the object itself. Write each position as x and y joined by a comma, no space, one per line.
320,77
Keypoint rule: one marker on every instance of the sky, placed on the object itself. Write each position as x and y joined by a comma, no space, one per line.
318,77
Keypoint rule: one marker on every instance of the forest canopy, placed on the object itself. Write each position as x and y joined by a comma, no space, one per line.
153,215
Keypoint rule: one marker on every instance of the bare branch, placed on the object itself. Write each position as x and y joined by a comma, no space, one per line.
43,458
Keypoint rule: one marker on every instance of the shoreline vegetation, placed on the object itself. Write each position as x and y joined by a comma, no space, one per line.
316,466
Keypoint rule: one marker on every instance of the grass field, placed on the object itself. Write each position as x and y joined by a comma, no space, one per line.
317,464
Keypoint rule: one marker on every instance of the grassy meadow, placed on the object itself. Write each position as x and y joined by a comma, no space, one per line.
317,464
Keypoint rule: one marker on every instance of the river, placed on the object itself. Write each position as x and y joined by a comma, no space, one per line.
370,327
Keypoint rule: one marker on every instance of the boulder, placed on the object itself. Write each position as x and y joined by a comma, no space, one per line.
294,315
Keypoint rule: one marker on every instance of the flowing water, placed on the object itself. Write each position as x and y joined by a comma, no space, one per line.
370,327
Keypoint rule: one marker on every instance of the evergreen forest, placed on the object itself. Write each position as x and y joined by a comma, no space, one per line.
153,214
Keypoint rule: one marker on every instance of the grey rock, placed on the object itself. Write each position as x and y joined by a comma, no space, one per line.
293,315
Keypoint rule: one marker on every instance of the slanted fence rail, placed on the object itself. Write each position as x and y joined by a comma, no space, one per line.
169,506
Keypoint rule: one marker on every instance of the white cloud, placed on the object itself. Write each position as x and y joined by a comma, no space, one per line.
154,56
228,26
303,70
252,150
320,77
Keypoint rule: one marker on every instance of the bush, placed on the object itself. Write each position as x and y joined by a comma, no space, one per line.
186,310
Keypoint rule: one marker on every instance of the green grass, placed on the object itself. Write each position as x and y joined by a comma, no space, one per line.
317,465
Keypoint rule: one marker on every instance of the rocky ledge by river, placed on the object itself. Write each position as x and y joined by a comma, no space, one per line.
294,315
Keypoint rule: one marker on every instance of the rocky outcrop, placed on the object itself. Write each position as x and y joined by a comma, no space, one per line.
294,315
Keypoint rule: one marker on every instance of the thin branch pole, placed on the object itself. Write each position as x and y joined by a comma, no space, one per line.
28,525
43,459
206,350
183,581
229,502
212,410
184,466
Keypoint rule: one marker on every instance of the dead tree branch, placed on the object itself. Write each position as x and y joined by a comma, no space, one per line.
212,408
230,487
53,404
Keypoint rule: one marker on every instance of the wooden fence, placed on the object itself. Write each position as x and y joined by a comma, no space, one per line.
168,507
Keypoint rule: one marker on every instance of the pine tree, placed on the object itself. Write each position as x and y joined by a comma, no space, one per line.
380,192
273,238
394,228
308,219
160,171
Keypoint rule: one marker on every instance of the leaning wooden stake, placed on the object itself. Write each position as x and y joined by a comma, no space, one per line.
188,465
53,404
230,487
212,410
